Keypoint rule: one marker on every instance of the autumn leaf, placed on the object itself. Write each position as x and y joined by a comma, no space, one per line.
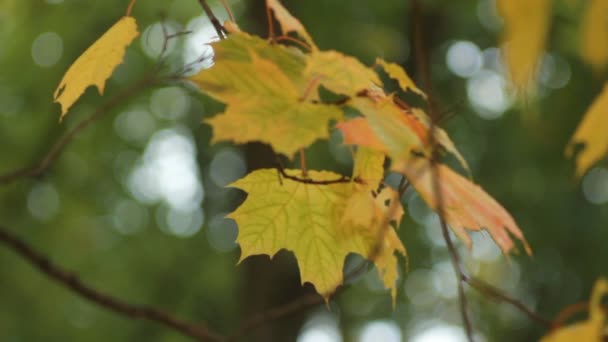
96,64
525,32
263,104
594,34
339,73
466,206
288,22
306,219
396,72
591,330
592,133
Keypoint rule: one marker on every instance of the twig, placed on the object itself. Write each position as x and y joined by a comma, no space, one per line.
55,151
342,179
422,60
227,8
221,31
71,282
131,4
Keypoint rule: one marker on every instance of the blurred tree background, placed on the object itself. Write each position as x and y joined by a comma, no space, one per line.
135,205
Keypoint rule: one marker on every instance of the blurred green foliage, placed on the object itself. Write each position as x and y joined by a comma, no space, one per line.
83,211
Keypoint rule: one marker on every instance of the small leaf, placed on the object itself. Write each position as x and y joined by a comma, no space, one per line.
96,64
339,73
592,133
288,22
306,219
524,36
396,72
591,330
594,34
466,206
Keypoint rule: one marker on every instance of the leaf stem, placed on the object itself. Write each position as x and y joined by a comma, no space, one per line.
303,163
131,4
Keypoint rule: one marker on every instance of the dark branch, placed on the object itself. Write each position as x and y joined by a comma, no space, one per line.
55,151
221,31
342,179
71,282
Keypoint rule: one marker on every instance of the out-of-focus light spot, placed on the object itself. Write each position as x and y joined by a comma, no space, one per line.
222,233
184,223
227,166
595,185
432,230
487,13
492,60
169,103
419,288
135,126
168,172
464,58
487,93
484,248
154,42
43,202
440,333
47,49
129,217
385,331
444,280
418,209
320,328
198,54
554,71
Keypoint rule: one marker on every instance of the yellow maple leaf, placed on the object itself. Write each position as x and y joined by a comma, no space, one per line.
395,71
306,219
264,105
466,206
592,330
592,133
288,22
525,32
96,64
594,34
339,73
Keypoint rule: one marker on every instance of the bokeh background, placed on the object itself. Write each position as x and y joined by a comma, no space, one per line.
136,204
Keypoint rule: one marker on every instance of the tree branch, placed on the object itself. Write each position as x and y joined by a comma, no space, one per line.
55,151
221,31
71,282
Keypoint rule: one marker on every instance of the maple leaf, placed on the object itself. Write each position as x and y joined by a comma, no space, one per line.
288,22
263,103
525,32
591,330
306,219
594,45
96,64
396,72
339,73
592,133
465,205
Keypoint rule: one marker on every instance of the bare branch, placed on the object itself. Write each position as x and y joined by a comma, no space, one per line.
55,151
221,31
71,282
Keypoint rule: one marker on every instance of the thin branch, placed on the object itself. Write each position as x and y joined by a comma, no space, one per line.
227,8
55,151
424,68
71,282
342,179
131,4
221,31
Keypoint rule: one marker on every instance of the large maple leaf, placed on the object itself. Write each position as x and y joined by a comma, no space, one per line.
307,219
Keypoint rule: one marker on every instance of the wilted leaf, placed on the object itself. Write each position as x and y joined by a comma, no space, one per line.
340,73
96,64
396,72
306,219
288,22
591,330
592,132
594,33
525,32
466,206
